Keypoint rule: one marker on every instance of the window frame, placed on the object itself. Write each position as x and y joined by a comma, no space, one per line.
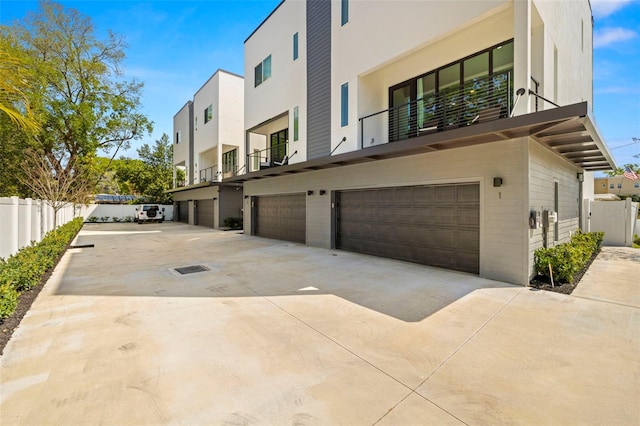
208,114
344,104
344,12
262,71
295,47
296,123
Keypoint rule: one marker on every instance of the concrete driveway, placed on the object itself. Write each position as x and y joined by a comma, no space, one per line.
279,333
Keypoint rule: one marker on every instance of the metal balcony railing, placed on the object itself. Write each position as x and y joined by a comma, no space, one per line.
273,156
210,174
476,101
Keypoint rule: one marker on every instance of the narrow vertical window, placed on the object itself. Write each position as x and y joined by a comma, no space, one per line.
345,11
295,123
344,104
258,74
266,68
555,74
295,46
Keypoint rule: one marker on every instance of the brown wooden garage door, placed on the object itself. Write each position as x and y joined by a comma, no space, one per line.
183,211
437,225
205,213
282,217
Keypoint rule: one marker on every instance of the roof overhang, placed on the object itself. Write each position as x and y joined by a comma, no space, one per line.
569,131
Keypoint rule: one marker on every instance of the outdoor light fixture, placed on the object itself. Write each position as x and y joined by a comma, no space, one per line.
322,192
497,182
580,177
246,196
310,192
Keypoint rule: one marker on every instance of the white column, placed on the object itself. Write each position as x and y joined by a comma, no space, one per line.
14,218
29,218
522,53
36,220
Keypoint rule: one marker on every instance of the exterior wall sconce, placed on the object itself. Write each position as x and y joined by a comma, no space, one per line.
580,176
497,182
215,198
310,192
246,196
322,192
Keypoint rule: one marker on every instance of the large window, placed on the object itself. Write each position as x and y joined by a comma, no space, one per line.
229,161
344,104
262,71
456,94
208,114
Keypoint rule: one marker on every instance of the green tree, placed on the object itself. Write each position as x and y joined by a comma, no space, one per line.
152,174
620,170
16,77
80,98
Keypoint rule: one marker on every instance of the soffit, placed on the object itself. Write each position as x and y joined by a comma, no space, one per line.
569,131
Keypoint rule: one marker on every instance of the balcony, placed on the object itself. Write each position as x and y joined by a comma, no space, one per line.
210,174
477,101
272,156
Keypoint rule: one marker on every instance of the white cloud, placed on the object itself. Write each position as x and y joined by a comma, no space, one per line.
609,36
604,8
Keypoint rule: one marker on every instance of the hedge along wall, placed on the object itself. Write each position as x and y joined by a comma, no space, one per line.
24,270
25,220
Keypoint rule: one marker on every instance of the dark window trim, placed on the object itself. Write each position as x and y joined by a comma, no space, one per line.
459,61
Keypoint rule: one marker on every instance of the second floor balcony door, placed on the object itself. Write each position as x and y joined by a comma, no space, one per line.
402,123
278,147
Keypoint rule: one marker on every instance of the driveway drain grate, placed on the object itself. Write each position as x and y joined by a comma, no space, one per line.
191,269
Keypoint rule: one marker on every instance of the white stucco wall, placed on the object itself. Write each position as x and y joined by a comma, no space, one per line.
567,28
385,43
206,136
287,87
181,125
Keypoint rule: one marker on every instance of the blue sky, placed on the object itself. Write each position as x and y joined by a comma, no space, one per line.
175,46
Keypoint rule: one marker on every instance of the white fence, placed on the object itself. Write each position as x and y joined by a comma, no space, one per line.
617,219
25,220
119,211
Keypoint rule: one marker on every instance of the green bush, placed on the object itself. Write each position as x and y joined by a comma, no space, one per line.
92,219
8,300
567,259
104,219
24,270
116,219
233,222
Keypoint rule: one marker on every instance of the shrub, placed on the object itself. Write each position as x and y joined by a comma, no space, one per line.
567,259
104,219
8,300
24,270
233,222
116,219
92,219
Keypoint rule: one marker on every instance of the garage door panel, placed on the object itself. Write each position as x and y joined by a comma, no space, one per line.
435,225
183,211
281,217
205,213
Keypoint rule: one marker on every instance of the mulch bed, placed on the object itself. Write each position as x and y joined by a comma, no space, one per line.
543,282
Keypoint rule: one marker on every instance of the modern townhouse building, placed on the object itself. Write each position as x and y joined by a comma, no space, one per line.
450,133
208,145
